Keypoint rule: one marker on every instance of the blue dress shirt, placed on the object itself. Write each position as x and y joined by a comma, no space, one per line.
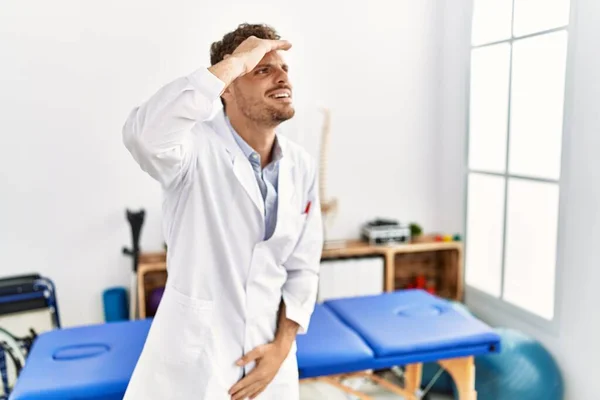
266,178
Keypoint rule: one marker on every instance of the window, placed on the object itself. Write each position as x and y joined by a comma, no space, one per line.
516,100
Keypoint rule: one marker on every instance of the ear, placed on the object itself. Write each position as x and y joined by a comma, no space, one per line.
227,94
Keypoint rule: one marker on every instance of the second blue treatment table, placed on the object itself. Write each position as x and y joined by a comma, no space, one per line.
404,328
346,337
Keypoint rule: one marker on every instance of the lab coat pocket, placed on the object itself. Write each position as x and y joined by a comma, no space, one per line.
291,235
299,222
184,335
298,227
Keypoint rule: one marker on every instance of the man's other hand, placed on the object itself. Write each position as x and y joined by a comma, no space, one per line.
268,359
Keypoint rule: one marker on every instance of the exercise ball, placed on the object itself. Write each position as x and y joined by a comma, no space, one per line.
523,370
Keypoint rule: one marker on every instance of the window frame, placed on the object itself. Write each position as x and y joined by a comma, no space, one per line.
483,301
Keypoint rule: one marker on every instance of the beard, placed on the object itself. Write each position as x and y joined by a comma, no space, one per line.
281,114
264,113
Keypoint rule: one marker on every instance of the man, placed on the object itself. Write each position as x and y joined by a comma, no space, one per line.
242,222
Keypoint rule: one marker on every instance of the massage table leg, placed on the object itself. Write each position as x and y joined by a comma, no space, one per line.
407,393
412,377
462,370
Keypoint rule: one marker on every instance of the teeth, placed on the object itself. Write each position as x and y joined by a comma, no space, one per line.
281,95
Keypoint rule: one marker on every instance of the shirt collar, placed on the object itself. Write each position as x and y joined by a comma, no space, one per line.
248,151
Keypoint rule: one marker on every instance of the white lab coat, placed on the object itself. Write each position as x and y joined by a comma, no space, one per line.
225,282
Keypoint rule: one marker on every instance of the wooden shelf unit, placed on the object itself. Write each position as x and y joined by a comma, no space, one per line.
440,262
151,274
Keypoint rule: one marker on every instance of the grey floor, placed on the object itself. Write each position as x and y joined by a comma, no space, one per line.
323,391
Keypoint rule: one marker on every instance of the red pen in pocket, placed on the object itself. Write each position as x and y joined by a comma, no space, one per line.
307,209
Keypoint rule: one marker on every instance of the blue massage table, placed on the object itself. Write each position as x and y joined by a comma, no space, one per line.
404,328
90,362
346,337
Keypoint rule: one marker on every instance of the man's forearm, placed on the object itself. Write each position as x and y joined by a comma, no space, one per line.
228,69
286,330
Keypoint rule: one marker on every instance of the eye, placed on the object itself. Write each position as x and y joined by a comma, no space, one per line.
262,70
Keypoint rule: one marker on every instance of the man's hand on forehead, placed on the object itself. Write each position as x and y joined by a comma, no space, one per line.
252,50
245,57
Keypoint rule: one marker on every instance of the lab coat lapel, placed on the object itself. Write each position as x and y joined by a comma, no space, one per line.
286,187
245,175
242,168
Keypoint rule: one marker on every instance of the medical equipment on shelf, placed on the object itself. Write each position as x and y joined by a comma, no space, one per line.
381,231
345,337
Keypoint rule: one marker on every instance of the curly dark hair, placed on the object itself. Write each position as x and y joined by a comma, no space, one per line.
233,39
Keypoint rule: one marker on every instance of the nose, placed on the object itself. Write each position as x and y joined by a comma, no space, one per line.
282,78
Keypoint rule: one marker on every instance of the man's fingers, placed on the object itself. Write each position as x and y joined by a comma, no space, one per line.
248,380
248,391
251,356
280,45
254,395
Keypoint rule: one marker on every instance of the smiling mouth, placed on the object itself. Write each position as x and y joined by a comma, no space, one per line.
280,96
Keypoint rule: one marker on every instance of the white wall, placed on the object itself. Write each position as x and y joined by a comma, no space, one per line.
573,340
70,72
453,49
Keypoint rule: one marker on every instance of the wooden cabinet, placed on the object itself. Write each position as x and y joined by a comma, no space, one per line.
151,275
437,265
426,262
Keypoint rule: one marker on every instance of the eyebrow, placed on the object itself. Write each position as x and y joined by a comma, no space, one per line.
284,66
